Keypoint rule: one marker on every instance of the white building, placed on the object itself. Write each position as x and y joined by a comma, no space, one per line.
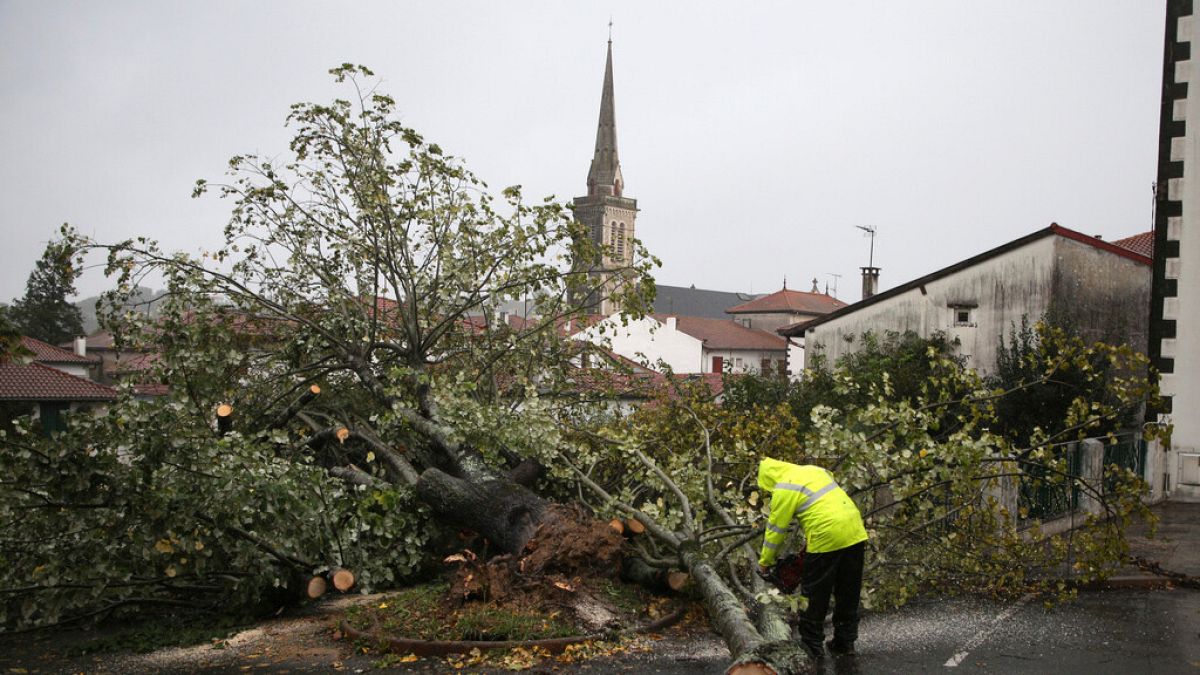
1175,310
689,344
1097,287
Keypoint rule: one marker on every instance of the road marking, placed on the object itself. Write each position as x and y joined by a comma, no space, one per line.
983,634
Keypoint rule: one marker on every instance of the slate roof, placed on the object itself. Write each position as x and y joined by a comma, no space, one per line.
45,352
1139,243
725,333
692,301
37,382
798,329
789,302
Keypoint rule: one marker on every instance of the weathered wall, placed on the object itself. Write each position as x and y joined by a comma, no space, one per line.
770,321
1102,295
996,293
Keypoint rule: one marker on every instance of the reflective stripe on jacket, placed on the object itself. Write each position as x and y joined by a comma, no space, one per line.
828,516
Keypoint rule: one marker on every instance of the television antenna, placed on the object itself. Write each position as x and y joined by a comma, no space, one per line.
870,230
835,282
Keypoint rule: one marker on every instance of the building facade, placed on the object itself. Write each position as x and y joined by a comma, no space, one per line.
691,344
1098,288
1175,308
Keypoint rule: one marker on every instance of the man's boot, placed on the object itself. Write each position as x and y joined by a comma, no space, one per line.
839,649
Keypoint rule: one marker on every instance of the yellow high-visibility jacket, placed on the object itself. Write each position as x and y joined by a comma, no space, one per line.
828,516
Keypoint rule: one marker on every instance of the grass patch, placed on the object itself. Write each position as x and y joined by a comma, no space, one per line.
424,612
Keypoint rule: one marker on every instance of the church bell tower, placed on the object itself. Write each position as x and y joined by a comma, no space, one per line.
608,215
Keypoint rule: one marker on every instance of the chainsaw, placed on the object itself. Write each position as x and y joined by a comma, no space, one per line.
786,573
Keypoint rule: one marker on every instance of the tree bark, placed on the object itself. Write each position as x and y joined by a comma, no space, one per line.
752,651
504,512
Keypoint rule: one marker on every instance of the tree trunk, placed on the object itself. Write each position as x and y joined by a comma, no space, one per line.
502,511
751,650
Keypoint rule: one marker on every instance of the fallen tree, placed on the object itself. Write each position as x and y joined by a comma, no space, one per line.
345,386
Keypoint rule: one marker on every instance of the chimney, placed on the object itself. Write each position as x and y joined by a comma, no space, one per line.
81,346
670,323
870,281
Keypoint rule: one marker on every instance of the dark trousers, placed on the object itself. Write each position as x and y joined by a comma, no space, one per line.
837,573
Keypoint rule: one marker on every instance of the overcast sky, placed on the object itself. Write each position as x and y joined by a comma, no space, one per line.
755,137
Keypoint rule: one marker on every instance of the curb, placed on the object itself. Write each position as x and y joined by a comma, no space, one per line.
1124,583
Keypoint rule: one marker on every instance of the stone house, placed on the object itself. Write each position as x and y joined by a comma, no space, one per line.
1097,287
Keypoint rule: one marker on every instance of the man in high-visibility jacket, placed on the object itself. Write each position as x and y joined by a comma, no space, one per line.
835,536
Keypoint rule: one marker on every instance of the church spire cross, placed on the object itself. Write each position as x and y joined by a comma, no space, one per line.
604,176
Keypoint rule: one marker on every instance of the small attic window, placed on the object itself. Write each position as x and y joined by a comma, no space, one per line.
962,317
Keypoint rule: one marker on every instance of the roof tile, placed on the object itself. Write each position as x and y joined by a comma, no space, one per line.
37,382
1139,243
796,302
725,333
45,352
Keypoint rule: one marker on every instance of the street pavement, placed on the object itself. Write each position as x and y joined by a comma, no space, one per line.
1131,625
1134,625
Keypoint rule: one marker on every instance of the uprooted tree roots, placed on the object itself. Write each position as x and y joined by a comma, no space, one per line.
567,548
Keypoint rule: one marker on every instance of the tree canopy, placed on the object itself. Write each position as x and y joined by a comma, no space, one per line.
45,311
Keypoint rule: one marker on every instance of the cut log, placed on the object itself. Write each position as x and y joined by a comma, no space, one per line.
315,588
634,526
773,658
617,525
343,579
224,418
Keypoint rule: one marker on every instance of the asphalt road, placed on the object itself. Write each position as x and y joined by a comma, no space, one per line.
1100,632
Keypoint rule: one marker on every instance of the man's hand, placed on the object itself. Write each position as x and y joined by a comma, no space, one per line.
764,571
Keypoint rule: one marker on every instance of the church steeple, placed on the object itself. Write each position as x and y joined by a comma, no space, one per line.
604,176
606,212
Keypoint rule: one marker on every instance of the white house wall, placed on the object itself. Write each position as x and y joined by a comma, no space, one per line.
648,341
1182,350
741,360
795,356
1002,289
75,369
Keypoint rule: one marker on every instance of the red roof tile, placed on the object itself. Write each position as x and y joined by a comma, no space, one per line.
725,333
795,302
36,382
1139,243
45,352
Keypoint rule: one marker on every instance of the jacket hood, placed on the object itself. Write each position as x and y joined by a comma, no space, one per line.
770,472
